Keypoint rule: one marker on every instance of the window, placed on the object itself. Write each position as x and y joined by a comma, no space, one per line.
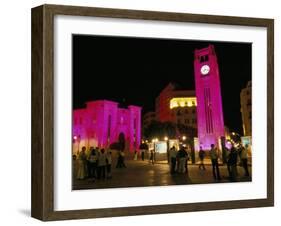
179,121
204,58
186,111
193,111
179,112
186,121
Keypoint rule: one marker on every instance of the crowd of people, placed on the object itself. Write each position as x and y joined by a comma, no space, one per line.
96,164
179,160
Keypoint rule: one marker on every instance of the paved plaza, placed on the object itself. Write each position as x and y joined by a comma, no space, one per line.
140,173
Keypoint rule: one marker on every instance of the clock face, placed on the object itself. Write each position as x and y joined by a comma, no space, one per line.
205,69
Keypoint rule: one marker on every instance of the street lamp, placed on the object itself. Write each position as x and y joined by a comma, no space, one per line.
167,144
77,139
184,138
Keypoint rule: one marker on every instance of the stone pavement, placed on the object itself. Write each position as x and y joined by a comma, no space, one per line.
142,173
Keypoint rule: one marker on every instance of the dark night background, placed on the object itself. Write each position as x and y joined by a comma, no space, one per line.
135,70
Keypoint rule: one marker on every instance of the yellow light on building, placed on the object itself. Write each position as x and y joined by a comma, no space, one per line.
183,102
165,138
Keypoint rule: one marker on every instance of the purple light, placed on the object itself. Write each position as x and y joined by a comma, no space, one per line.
210,121
101,122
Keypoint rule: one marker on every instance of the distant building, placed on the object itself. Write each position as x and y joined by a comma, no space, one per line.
246,108
101,123
148,118
176,105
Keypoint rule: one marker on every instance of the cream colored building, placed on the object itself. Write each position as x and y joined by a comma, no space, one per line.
177,106
246,109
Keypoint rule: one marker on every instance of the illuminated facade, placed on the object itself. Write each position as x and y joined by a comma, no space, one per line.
101,122
175,105
246,109
210,122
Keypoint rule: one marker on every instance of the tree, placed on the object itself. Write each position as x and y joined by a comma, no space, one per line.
160,130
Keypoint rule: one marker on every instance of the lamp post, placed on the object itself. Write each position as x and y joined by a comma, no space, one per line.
77,139
168,154
154,150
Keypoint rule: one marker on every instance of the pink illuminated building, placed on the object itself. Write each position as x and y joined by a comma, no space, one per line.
101,122
210,123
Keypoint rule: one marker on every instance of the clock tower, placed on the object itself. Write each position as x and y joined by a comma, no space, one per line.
210,121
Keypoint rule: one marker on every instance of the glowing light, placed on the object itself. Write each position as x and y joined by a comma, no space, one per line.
183,102
107,127
210,122
184,138
165,138
228,145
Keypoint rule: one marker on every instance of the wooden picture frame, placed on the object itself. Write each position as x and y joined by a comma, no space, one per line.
43,110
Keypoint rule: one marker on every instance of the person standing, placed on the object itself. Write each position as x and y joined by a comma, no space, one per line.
93,164
135,155
142,154
119,160
181,155
122,154
82,159
215,163
232,164
186,160
152,156
108,163
201,157
173,159
244,159
101,164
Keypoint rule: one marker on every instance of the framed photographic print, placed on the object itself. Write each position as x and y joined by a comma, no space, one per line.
141,112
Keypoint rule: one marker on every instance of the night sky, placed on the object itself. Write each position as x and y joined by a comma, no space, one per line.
135,70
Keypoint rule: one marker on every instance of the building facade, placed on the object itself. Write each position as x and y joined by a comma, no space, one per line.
210,122
175,105
246,109
101,123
